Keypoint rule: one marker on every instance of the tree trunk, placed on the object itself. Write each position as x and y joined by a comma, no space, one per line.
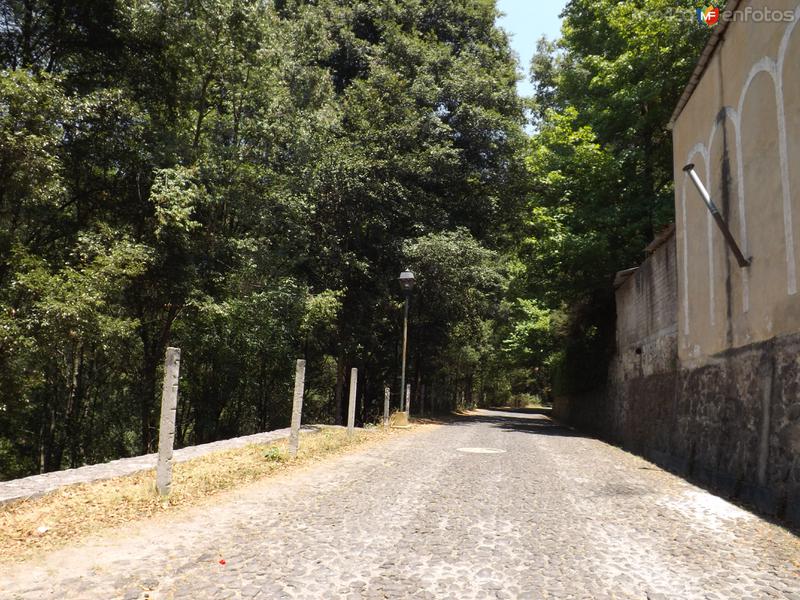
338,391
74,405
44,435
415,401
146,395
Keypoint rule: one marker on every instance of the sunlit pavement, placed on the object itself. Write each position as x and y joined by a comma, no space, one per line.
494,505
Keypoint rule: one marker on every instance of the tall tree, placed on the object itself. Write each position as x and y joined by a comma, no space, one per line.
237,178
600,165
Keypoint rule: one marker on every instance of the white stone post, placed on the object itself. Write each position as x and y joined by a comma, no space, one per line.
408,399
386,396
166,429
297,406
351,408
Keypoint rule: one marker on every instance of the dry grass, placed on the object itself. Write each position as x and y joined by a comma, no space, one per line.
74,512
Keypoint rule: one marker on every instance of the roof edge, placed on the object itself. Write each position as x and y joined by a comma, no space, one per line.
622,276
662,238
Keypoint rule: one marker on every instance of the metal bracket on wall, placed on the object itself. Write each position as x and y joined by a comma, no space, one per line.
723,226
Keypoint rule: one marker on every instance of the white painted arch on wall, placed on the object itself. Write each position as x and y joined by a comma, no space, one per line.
775,70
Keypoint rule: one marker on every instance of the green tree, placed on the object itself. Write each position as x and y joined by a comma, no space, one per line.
460,288
237,178
600,166
623,70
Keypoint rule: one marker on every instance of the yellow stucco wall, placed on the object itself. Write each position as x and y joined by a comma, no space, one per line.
741,128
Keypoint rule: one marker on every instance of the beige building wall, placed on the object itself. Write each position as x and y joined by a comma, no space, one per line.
741,129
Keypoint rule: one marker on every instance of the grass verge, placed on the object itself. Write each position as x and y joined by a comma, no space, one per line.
72,513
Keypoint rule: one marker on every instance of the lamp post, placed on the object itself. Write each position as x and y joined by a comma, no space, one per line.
407,282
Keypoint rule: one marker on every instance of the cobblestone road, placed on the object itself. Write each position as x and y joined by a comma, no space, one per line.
555,515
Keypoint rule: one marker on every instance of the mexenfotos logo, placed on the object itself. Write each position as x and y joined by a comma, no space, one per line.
708,16
711,15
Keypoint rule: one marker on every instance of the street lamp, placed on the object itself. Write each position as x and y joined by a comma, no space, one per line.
407,282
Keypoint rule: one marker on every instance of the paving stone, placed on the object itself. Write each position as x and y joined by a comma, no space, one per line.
250,591
555,516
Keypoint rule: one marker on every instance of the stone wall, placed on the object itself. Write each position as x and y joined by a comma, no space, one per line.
647,304
642,374
646,352
732,423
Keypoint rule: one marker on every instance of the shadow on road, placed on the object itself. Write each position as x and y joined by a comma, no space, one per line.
523,420
540,410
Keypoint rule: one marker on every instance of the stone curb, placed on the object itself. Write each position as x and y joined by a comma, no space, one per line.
39,485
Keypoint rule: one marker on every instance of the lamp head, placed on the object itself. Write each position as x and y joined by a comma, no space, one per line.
407,281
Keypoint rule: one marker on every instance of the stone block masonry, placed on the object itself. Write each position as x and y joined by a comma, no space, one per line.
732,423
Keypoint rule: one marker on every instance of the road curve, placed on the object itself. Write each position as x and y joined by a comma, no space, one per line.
495,505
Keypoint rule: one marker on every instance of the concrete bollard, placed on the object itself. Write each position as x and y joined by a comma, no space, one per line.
386,396
408,399
351,408
297,406
166,429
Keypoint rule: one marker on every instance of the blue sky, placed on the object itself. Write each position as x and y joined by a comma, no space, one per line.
526,21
